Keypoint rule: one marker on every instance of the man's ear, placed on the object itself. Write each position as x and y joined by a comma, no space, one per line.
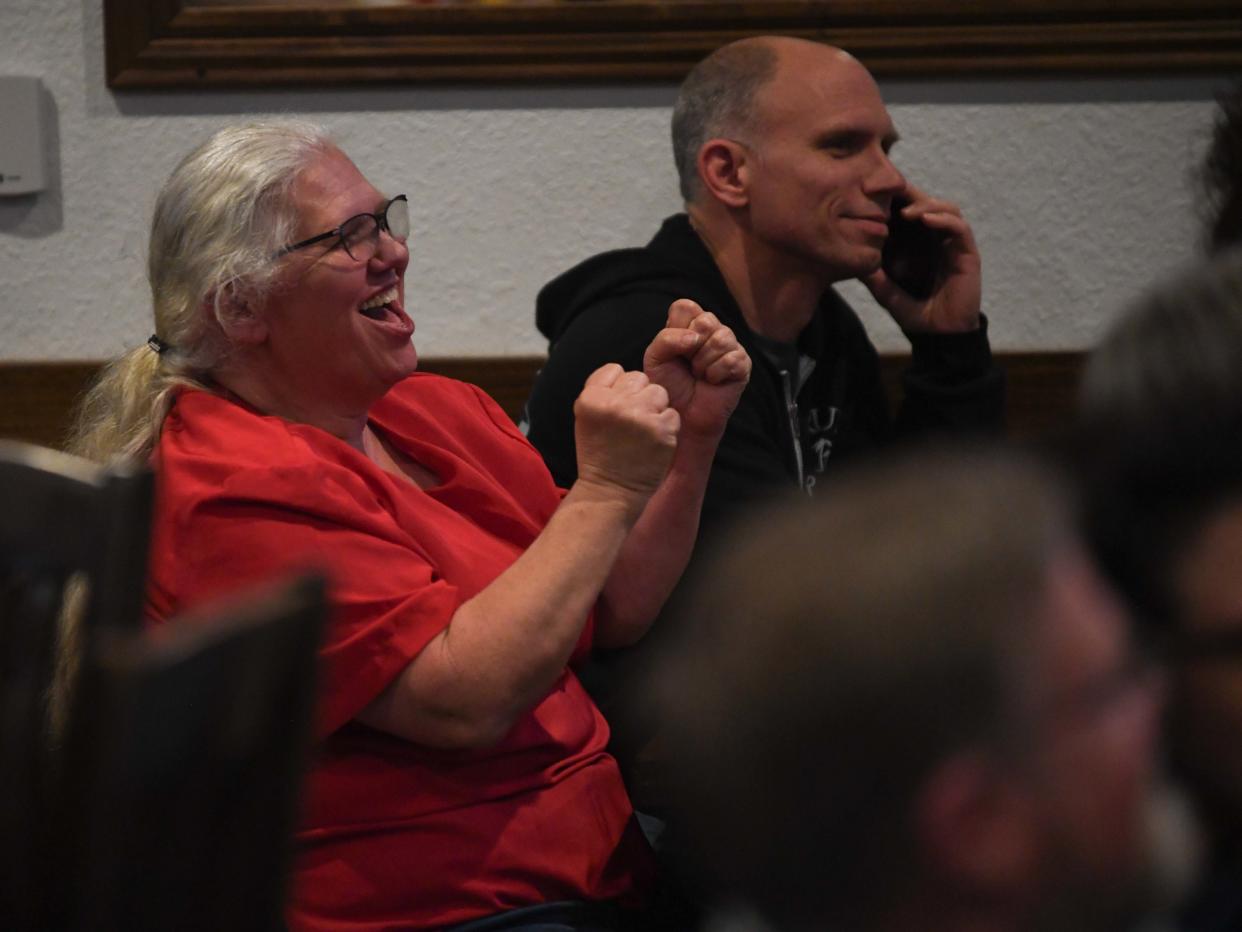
977,824
724,170
239,320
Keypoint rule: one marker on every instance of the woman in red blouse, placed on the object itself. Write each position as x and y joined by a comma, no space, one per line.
463,775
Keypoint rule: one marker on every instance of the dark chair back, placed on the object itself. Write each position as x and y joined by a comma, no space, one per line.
66,525
185,756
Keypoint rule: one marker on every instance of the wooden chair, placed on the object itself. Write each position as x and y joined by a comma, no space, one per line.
66,526
185,754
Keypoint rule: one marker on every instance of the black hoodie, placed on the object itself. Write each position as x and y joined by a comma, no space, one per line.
610,307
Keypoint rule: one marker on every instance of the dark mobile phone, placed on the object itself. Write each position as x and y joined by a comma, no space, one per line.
913,254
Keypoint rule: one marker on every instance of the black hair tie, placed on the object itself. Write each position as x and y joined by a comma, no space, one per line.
158,346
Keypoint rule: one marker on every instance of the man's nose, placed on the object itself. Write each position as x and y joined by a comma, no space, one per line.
884,177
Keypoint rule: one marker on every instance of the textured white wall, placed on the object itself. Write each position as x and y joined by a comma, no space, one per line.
1079,191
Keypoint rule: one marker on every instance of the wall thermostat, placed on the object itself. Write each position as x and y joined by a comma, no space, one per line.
21,135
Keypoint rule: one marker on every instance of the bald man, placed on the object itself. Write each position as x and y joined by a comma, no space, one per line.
783,151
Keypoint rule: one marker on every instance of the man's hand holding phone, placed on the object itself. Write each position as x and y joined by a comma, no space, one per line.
930,277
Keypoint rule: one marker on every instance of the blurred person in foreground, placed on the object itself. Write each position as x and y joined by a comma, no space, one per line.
913,706
1160,453
462,777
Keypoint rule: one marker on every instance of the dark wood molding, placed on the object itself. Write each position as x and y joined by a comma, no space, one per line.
1041,390
214,43
37,398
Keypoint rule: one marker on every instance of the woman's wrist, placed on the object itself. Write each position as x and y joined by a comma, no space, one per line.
612,499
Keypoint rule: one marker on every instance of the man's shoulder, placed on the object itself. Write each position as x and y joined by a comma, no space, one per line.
631,284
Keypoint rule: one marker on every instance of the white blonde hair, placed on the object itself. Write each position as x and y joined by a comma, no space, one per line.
219,222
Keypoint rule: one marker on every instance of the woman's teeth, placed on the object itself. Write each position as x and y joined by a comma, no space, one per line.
374,308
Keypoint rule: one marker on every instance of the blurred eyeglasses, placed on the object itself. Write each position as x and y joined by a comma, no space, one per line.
359,235
1137,674
1135,681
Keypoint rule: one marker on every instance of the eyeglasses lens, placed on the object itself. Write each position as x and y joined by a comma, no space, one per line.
360,235
397,219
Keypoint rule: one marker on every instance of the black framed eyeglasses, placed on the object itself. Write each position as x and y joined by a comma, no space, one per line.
359,235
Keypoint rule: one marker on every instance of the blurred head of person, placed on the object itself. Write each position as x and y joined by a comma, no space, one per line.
913,707
1160,453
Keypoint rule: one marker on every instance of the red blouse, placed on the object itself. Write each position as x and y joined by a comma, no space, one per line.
395,834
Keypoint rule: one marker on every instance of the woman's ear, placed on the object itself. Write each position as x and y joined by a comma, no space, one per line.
724,170
237,317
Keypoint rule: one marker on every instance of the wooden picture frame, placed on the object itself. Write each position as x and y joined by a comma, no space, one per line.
215,44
